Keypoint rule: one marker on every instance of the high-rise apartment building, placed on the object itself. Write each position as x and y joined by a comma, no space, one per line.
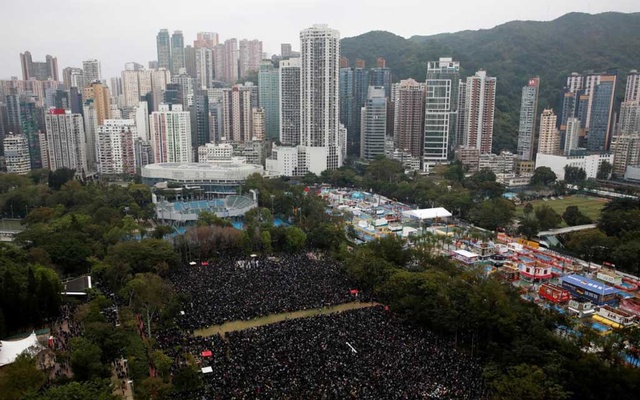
137,84
206,40
163,43
177,53
101,97
30,125
170,129
441,108
236,114
549,138
72,77
65,141
409,116
190,61
41,71
92,71
374,124
269,98
16,153
572,136
250,55
528,116
90,119
632,90
225,60
479,111
204,67
257,124
381,76
320,125
116,148
629,120
289,101
185,94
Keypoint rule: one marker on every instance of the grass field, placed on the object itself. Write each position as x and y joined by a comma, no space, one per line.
589,206
272,319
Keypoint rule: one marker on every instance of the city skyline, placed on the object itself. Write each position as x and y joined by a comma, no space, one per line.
224,19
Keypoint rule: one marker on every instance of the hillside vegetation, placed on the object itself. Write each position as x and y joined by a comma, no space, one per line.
514,52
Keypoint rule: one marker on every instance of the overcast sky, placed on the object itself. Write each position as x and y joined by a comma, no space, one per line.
118,31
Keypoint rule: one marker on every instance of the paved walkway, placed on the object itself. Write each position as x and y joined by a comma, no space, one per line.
273,318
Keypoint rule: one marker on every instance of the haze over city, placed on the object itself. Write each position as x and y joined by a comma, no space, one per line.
118,31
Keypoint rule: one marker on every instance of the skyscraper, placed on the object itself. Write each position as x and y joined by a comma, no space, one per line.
290,101
204,67
101,100
285,50
320,133
353,90
190,61
257,124
381,76
629,121
163,43
600,128
185,95
250,55
441,107
30,125
65,140
16,153
269,98
528,115
374,124
206,40
632,90
236,113
170,128
409,116
549,138
479,111
177,53
92,71
572,135
200,120
72,77
90,119
116,148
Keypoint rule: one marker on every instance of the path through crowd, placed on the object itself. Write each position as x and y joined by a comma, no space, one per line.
274,318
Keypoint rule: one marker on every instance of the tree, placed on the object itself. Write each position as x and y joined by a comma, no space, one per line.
574,174
95,390
573,216
604,170
493,213
295,239
528,209
162,362
59,177
543,176
20,377
85,360
528,227
547,217
148,294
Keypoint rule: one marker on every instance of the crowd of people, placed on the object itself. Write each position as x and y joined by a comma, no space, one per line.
231,289
360,354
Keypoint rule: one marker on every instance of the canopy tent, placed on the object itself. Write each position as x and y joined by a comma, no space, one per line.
427,213
10,350
207,370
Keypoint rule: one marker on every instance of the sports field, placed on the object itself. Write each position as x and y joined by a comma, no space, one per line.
589,206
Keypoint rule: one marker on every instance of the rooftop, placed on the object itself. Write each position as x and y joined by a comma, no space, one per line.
590,284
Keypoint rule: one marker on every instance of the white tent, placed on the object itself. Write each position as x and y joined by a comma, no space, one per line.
428,213
207,370
10,350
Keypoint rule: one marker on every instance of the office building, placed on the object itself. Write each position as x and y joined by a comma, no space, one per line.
549,138
200,120
249,57
528,116
289,73
320,125
38,70
16,153
354,85
65,141
90,119
480,96
92,71
163,43
116,148
441,108
381,76
190,61
408,129
170,129
177,53
269,98
374,124
601,121
236,114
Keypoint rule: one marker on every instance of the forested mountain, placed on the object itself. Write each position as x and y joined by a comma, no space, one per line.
514,52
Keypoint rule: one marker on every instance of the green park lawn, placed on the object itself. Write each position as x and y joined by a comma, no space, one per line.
589,206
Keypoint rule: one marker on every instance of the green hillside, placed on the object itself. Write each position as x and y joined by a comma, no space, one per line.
514,52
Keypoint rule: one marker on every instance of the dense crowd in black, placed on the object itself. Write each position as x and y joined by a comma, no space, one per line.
358,354
230,289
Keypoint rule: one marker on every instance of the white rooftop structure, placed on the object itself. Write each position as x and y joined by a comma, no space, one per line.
427,213
466,253
10,350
